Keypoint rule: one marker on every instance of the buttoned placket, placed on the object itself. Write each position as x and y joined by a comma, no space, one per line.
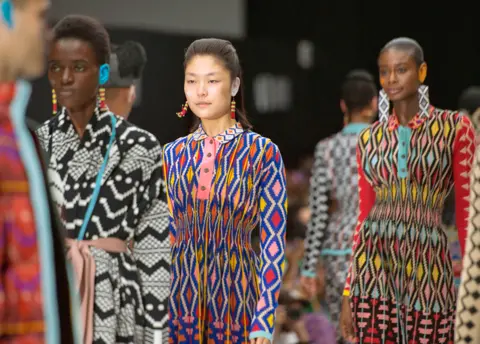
404,136
207,167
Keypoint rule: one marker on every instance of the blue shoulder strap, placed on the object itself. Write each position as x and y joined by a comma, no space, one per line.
98,182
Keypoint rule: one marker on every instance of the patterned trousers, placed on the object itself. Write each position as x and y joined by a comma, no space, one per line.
336,269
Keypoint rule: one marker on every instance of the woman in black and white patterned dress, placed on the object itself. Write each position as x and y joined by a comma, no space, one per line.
335,179
106,176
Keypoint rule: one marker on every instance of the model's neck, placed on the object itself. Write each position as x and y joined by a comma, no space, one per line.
119,108
363,116
7,73
217,126
406,109
81,117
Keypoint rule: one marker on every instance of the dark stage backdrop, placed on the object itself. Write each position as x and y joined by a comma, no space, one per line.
354,31
282,99
297,107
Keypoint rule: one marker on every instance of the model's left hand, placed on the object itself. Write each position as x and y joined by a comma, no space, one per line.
259,340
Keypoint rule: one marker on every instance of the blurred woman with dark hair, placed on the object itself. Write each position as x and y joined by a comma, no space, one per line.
333,193
127,62
467,324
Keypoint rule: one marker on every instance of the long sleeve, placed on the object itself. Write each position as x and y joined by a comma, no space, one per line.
320,185
467,324
273,215
43,136
152,249
366,200
168,191
21,318
463,154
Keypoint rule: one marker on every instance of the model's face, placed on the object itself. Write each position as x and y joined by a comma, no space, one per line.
208,87
73,72
399,74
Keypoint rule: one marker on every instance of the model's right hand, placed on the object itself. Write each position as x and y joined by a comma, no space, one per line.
346,321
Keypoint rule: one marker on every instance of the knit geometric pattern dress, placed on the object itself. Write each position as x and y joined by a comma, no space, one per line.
220,189
34,288
467,324
401,280
330,236
131,288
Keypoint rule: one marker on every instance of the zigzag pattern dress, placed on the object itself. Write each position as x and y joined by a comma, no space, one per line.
334,176
467,324
132,288
401,279
220,189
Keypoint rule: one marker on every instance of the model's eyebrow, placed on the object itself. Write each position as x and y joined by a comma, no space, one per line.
195,74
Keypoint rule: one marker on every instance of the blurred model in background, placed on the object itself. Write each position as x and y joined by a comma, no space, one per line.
467,324
335,180
127,62
35,294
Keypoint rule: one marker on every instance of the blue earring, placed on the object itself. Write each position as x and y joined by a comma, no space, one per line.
7,12
104,74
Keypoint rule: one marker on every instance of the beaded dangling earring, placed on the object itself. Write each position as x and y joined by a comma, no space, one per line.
383,106
54,101
184,110
423,100
232,109
101,96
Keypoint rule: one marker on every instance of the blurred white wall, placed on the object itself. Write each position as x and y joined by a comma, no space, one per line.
222,18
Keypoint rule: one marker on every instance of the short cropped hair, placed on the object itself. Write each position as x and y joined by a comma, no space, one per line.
358,90
86,29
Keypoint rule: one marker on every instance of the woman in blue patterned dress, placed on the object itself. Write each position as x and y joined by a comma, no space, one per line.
223,181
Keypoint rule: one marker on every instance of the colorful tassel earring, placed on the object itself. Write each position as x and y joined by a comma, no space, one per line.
184,110
101,95
54,101
232,110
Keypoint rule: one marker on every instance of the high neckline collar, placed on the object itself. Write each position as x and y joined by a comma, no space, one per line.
223,137
414,123
354,128
98,125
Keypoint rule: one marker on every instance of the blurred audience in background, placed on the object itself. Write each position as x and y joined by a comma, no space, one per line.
300,319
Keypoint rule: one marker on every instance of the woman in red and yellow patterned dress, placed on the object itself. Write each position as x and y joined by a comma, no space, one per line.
400,285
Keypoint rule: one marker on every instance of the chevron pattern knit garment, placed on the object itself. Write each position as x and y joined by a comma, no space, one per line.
21,300
34,289
131,289
401,280
467,324
220,189
334,178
